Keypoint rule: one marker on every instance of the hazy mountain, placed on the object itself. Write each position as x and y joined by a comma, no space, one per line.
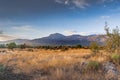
56,36
17,41
59,39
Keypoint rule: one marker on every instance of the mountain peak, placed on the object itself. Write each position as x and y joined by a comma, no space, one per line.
56,36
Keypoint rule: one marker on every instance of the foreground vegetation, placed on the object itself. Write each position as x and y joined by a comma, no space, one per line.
42,64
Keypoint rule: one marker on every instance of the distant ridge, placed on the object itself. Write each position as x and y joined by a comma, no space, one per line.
58,39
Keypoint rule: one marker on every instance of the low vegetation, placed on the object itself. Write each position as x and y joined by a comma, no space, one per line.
115,58
2,68
94,48
113,41
50,65
11,45
93,65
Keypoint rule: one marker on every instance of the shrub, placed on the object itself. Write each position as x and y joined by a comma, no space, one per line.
93,65
11,45
94,47
78,46
23,46
115,58
2,68
64,48
113,41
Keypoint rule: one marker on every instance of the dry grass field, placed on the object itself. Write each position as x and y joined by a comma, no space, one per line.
40,64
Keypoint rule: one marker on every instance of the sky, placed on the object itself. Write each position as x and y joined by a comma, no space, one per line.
29,19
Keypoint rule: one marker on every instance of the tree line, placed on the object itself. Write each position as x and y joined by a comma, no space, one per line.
13,46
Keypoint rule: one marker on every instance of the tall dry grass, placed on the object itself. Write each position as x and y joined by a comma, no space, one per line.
42,64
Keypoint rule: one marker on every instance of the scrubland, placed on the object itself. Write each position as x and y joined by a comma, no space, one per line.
40,64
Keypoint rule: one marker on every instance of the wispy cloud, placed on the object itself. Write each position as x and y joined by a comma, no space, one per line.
104,17
25,31
73,32
24,28
59,1
76,3
69,32
5,37
81,3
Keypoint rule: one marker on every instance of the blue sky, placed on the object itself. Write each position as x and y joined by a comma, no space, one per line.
31,19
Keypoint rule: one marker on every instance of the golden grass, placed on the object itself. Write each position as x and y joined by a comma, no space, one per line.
41,58
27,62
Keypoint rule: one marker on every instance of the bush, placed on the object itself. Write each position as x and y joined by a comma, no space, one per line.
94,48
113,41
78,46
23,46
64,48
93,65
2,68
115,58
11,45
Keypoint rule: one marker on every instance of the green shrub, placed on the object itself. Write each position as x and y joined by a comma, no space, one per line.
23,46
113,41
93,65
78,46
11,45
115,58
2,68
94,48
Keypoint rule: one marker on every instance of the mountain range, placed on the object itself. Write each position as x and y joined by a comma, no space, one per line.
58,39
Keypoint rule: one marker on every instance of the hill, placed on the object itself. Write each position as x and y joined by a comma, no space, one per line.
57,39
